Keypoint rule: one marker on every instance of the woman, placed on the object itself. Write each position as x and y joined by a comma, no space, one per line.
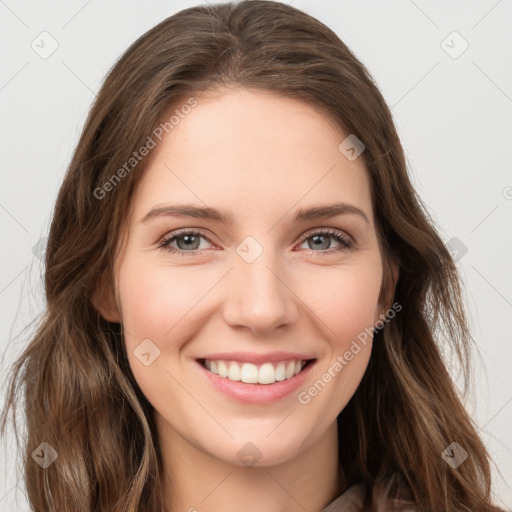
245,294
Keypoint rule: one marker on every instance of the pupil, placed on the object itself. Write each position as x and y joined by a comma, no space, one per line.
189,240
317,244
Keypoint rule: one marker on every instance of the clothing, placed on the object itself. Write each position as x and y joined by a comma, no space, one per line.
394,495
351,500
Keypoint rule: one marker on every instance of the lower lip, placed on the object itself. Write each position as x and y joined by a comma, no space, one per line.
256,393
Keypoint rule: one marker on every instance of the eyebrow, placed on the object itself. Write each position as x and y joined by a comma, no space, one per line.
227,217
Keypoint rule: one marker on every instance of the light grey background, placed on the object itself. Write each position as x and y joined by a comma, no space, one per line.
453,113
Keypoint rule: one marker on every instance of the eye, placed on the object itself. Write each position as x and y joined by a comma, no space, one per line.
189,241
186,240
321,240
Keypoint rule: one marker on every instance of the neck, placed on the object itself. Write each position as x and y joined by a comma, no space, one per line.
194,481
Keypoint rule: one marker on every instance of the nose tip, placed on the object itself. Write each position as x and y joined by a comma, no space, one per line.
258,298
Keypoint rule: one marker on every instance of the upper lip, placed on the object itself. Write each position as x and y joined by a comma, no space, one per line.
252,357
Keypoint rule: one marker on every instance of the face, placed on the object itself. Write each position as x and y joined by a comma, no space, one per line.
265,285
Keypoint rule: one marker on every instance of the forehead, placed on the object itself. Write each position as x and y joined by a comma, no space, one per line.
248,151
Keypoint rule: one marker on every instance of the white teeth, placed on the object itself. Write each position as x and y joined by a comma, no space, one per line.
222,369
290,370
267,373
234,372
249,373
280,372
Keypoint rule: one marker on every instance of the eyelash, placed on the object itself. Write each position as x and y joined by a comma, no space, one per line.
345,241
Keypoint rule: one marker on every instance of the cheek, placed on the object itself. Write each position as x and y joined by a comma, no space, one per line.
348,307
157,304
156,300
345,300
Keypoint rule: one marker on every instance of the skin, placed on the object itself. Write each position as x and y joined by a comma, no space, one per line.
262,157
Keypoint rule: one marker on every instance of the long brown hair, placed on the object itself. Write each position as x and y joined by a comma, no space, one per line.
80,394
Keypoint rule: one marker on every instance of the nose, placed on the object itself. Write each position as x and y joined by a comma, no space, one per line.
258,297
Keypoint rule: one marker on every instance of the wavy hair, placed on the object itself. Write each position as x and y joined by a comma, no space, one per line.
80,395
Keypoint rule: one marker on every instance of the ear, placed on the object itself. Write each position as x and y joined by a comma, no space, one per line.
395,272
389,286
103,300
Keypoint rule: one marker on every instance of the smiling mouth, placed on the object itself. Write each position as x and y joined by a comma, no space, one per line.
266,373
